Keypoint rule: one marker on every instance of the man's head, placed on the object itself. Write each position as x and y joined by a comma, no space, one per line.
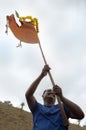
49,97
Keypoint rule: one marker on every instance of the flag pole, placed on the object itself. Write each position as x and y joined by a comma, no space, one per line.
58,98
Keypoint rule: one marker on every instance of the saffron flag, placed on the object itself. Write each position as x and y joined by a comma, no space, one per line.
26,32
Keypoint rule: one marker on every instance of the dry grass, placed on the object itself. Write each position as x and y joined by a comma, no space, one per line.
12,118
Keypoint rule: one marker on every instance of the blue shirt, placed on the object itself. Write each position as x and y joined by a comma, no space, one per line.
48,117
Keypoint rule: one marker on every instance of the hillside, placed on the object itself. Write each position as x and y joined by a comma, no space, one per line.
12,118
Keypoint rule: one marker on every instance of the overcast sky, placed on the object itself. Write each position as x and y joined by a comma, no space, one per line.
62,30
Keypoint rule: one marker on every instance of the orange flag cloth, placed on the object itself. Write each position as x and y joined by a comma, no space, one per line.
26,32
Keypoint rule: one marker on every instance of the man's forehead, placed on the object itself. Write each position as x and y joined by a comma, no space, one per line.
48,90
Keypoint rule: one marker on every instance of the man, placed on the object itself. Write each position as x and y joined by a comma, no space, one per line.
48,116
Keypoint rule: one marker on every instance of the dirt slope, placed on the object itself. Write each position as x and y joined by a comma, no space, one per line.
12,118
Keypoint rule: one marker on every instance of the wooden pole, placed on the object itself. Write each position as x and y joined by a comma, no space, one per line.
58,98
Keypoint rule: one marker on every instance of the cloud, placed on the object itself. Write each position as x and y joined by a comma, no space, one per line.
62,29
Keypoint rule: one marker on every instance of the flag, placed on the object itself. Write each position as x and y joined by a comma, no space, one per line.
26,32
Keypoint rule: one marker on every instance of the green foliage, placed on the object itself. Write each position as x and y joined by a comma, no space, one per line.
8,103
22,105
17,14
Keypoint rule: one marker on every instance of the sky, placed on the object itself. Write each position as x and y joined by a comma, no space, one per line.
62,29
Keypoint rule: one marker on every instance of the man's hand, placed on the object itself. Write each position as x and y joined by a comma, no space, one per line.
58,91
45,70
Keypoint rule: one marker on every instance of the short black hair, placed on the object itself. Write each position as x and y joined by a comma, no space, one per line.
46,90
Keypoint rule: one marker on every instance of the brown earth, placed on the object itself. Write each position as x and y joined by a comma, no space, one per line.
12,118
